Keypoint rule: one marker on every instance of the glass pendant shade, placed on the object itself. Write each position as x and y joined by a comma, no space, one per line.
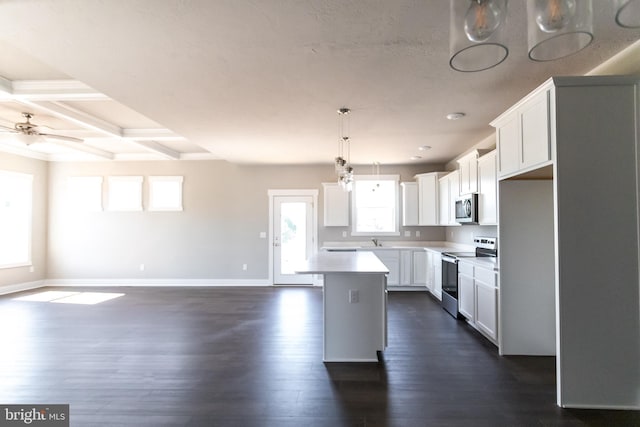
476,34
558,28
628,13
29,139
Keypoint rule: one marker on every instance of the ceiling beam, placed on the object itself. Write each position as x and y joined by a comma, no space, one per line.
49,95
76,116
55,90
158,148
83,148
152,134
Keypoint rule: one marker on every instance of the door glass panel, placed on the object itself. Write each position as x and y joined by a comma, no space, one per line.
293,235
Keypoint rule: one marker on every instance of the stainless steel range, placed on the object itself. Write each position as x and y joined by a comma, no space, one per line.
485,247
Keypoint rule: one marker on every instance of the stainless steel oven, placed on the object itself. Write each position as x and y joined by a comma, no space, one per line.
485,247
450,280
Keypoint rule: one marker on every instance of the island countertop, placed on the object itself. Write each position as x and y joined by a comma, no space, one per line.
342,262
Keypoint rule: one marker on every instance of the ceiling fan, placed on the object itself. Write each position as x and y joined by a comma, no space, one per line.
29,133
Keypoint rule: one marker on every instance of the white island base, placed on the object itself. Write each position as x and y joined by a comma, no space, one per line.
354,304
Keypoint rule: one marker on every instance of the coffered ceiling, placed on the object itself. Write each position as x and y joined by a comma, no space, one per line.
259,81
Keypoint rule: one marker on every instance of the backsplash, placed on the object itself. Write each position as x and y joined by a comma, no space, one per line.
466,233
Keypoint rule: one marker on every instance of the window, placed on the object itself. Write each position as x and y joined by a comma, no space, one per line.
375,205
165,193
84,193
125,193
16,193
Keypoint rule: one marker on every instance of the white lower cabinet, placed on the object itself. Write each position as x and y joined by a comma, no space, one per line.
434,273
466,291
487,309
420,259
407,267
391,260
478,298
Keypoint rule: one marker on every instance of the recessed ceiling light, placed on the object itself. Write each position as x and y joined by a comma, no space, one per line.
415,157
424,147
455,116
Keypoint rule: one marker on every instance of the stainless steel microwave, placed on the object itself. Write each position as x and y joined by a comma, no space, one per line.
467,209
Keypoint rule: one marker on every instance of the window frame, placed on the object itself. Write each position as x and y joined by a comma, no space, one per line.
154,179
72,200
131,179
29,219
354,207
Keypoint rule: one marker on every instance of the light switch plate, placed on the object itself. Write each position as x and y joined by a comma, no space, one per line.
263,234
407,233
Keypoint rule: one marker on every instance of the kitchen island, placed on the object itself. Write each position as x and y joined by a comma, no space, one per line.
354,304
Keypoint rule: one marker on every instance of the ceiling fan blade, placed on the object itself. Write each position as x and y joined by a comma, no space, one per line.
61,137
7,128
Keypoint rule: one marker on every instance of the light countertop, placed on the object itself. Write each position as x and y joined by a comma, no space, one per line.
484,262
343,262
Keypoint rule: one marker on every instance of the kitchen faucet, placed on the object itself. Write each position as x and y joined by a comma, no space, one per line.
375,242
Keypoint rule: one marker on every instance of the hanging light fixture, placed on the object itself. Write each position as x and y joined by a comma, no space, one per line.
627,13
343,161
558,28
476,35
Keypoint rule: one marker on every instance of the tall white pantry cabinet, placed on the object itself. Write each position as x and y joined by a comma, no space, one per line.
569,224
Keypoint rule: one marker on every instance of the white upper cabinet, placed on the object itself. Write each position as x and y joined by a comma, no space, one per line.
523,134
428,201
487,189
468,167
409,203
449,187
336,205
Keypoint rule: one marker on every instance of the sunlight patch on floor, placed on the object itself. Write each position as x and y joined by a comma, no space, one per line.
71,297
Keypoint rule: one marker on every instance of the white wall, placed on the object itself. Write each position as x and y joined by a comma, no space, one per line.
225,209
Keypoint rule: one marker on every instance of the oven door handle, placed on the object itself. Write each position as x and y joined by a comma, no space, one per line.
449,259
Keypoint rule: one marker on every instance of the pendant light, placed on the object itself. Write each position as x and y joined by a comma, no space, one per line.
627,13
343,161
476,34
558,28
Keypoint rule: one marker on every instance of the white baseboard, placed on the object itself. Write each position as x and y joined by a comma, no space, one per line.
157,282
17,287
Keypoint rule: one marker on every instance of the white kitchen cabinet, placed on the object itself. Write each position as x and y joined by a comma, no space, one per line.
487,309
466,291
391,259
409,203
468,167
406,267
449,190
553,234
420,260
487,189
434,273
523,135
478,298
336,205
428,200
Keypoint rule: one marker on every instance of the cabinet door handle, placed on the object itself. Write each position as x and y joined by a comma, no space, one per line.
276,244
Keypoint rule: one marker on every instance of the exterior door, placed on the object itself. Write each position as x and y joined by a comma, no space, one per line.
292,238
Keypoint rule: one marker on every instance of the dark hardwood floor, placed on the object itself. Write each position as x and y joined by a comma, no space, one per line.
253,357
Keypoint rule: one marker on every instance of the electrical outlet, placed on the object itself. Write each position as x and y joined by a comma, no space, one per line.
263,234
344,234
354,296
417,233
407,233
141,267
244,267
31,269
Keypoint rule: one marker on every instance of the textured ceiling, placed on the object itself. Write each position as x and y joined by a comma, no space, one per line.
259,81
